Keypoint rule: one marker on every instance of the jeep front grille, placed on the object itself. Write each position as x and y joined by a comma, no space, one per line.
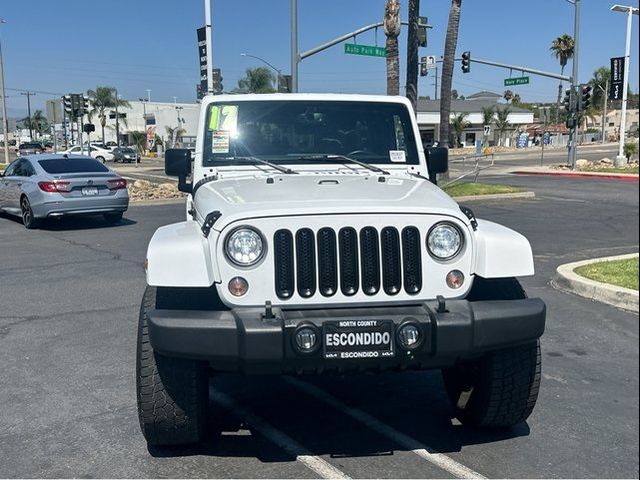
349,260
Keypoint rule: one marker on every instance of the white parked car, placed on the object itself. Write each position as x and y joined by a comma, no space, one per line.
316,240
100,154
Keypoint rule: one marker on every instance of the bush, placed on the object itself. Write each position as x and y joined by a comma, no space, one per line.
629,150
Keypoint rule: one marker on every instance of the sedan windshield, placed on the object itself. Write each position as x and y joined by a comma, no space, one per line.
72,165
308,132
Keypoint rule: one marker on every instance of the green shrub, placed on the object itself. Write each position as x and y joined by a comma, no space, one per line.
629,150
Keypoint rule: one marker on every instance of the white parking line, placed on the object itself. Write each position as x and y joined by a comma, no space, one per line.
302,455
439,459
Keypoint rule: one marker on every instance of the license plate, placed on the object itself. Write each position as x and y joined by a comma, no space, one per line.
358,339
89,191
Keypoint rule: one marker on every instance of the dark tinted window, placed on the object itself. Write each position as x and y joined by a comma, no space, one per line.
283,131
72,165
11,169
30,145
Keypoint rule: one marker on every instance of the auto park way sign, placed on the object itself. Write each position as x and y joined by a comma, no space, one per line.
368,50
510,82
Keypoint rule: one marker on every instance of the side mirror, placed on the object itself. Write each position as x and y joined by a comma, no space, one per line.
177,163
437,161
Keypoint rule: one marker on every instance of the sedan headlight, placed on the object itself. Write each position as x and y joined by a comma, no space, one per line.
444,241
244,247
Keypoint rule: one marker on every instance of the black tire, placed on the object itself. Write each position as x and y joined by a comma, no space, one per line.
100,159
28,219
172,393
500,388
113,217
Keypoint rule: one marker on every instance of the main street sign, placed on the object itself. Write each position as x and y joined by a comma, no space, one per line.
510,82
368,50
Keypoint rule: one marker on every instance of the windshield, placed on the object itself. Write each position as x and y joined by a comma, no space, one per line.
72,165
305,132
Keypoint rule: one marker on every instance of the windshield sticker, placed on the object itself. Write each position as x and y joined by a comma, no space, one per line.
220,141
397,156
224,117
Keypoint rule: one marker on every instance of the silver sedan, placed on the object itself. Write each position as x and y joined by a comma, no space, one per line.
36,187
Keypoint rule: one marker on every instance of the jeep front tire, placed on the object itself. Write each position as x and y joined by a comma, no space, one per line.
172,393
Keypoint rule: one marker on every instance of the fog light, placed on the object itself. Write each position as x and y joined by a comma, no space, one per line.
238,286
455,279
409,336
306,339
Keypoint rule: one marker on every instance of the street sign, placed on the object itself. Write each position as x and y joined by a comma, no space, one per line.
367,50
510,82
617,78
431,61
487,130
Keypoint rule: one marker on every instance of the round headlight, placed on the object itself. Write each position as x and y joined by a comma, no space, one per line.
245,247
444,241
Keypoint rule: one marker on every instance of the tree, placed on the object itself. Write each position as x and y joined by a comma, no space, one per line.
37,123
459,123
412,54
140,141
451,42
562,48
502,122
487,120
257,80
392,30
507,95
599,82
454,94
100,100
174,135
516,100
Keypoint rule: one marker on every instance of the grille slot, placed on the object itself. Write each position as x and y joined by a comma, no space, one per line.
370,260
349,273
391,268
283,259
306,262
327,262
411,260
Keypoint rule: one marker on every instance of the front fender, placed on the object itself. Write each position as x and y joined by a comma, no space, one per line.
179,256
501,252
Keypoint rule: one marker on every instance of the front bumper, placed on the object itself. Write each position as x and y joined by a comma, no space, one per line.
244,340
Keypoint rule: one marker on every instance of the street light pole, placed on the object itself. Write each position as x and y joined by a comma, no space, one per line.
209,43
295,59
573,145
28,94
621,159
5,119
117,120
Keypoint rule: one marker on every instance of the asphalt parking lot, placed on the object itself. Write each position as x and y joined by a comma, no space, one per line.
69,298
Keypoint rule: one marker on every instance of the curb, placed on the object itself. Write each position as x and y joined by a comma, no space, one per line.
495,196
602,175
158,201
566,279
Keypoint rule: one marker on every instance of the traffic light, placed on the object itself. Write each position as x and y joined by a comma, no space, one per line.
571,122
422,31
466,62
217,81
76,105
567,100
66,101
85,105
423,67
284,83
584,101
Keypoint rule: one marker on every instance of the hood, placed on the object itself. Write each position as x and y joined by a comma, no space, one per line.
243,198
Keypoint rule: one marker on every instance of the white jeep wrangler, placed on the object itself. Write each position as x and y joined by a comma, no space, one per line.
316,241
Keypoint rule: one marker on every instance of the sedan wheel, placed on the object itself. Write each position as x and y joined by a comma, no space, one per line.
100,159
27,214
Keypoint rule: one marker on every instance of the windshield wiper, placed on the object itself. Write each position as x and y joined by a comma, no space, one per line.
264,162
335,156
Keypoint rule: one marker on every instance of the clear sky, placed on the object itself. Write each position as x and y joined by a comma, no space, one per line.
63,46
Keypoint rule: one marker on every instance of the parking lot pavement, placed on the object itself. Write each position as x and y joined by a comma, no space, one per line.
70,295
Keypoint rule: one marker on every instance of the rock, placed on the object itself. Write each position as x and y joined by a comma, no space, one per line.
606,161
141,184
582,163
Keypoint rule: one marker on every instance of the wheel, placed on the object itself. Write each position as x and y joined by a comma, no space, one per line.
27,214
500,388
113,217
100,159
172,393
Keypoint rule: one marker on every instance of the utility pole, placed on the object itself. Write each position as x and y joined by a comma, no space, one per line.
148,95
5,119
435,92
28,94
117,119
605,95
209,42
574,84
295,59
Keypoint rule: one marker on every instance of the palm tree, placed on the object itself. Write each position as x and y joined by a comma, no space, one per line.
459,123
516,99
562,48
507,95
451,42
487,119
174,135
257,80
100,100
454,94
140,141
37,123
599,82
392,30
502,122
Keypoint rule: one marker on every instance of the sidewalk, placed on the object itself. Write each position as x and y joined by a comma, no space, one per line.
554,171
